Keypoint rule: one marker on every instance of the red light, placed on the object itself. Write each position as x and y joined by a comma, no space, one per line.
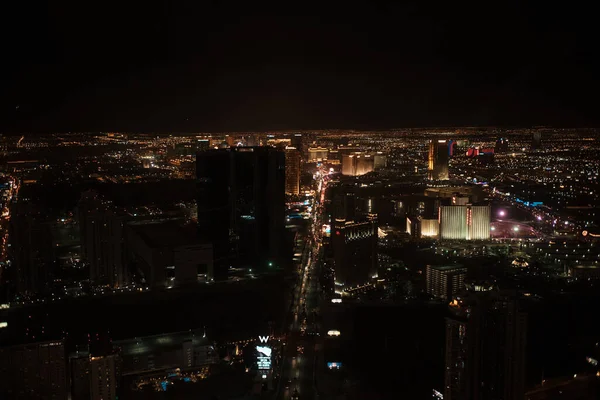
337,232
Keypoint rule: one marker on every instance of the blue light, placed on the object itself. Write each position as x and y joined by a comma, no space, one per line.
164,384
186,379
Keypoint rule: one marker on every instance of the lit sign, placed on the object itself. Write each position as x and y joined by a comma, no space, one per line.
336,300
437,395
333,333
326,230
263,358
334,365
263,339
3,324
264,350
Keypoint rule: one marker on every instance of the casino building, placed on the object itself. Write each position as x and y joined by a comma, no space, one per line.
465,222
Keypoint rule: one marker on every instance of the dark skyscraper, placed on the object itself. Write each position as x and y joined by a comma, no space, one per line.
298,142
437,165
241,204
355,251
485,348
258,204
451,147
213,172
102,240
501,145
34,371
29,248
536,140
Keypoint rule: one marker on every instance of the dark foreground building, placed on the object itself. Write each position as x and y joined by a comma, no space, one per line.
241,205
485,348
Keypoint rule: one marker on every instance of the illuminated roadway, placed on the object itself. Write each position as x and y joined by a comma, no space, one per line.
300,354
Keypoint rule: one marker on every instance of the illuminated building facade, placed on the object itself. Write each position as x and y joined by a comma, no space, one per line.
443,282
317,154
357,164
292,171
437,165
413,226
430,228
34,371
465,222
453,222
478,222
354,250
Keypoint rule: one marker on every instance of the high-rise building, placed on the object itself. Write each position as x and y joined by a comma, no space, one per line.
501,145
430,228
102,240
451,147
379,160
202,144
357,164
169,254
31,248
453,222
298,142
292,171
444,281
536,140
344,203
34,371
241,204
214,175
438,160
478,222
103,377
93,378
354,247
465,222
485,348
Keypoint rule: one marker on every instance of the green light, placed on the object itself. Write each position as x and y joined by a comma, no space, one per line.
270,264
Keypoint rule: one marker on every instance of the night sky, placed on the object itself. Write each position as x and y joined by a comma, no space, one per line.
189,66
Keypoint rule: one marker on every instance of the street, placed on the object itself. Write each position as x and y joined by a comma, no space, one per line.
298,375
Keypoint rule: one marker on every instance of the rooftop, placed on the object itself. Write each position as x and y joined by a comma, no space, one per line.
166,233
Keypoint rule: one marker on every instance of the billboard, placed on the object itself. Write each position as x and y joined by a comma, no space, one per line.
263,354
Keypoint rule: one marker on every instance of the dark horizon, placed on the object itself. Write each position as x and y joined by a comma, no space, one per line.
195,67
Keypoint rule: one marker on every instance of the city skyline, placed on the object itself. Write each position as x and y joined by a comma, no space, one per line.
367,200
